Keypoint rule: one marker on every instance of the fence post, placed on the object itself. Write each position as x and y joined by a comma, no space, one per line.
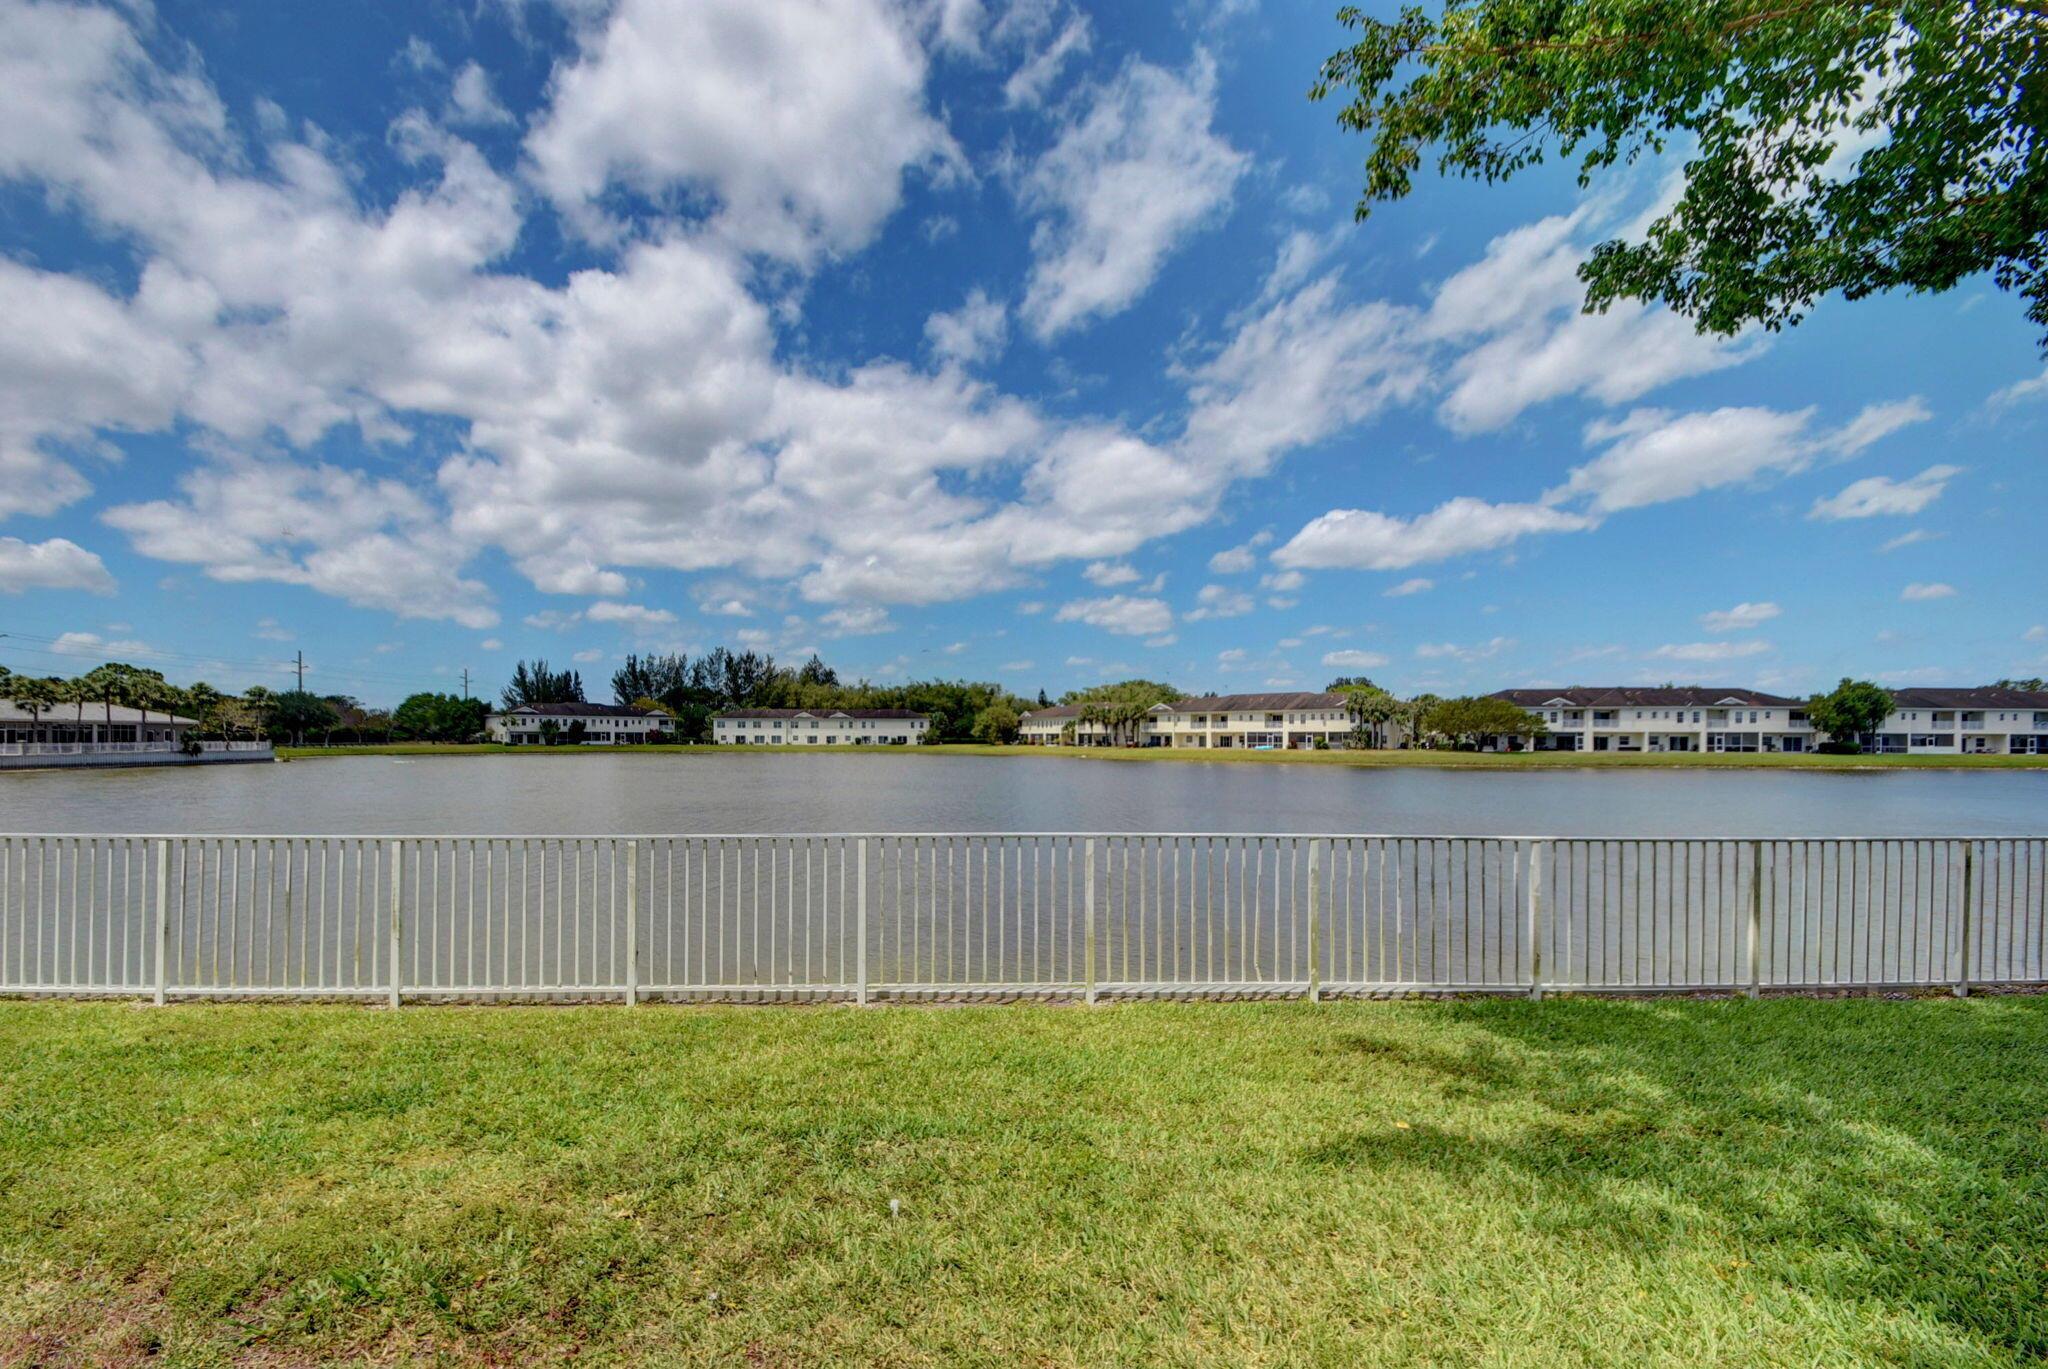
860,928
395,882
632,923
1963,964
1088,917
1315,908
1756,919
1536,921
163,919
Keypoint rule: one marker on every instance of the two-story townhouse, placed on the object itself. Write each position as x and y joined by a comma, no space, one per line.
1640,719
603,724
819,727
1211,722
1059,725
1287,721
1963,722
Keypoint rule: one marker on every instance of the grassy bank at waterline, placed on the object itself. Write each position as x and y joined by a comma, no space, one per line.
1452,760
1575,1181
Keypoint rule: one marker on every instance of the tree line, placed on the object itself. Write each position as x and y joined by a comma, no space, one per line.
690,690
290,715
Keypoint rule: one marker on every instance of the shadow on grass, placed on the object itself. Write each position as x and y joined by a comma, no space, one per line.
1882,1154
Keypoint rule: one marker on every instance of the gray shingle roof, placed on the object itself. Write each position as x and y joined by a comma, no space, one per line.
1970,698
1256,703
1631,696
578,711
1217,703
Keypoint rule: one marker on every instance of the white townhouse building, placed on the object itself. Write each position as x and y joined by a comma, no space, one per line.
1214,721
603,724
1627,718
1965,722
819,727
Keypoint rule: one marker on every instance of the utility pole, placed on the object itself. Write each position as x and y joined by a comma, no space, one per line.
302,672
465,684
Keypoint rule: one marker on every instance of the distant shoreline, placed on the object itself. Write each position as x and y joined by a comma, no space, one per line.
1388,760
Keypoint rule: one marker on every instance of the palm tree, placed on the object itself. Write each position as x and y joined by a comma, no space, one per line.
35,695
142,690
258,699
206,705
104,682
76,693
1371,709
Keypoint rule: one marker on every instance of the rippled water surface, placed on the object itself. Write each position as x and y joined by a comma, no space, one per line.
726,793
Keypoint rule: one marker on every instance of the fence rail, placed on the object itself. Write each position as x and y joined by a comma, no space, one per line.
121,748
963,915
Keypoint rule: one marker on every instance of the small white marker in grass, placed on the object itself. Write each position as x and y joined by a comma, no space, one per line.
895,1207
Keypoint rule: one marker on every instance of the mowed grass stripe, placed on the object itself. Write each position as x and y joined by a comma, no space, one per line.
1786,1181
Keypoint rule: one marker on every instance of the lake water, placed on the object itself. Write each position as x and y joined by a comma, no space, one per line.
727,793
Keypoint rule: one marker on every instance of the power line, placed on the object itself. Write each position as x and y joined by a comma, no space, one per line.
192,658
342,676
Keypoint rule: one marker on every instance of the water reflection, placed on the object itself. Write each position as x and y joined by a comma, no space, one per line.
726,793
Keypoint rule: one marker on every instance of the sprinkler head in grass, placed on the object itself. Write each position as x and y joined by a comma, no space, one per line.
895,1207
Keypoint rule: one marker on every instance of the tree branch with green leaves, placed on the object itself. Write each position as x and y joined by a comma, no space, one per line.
1829,145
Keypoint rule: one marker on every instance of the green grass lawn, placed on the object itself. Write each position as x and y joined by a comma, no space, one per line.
1567,760
1785,1181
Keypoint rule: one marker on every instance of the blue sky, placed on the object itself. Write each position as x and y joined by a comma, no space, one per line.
1007,339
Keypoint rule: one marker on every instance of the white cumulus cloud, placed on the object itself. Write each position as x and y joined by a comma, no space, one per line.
57,563
1360,539
973,332
798,118
1220,601
1740,618
632,615
1710,651
1127,615
1132,176
1879,495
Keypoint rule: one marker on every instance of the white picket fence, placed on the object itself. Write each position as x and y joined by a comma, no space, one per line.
975,915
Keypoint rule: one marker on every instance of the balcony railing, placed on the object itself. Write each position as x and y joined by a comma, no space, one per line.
120,748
